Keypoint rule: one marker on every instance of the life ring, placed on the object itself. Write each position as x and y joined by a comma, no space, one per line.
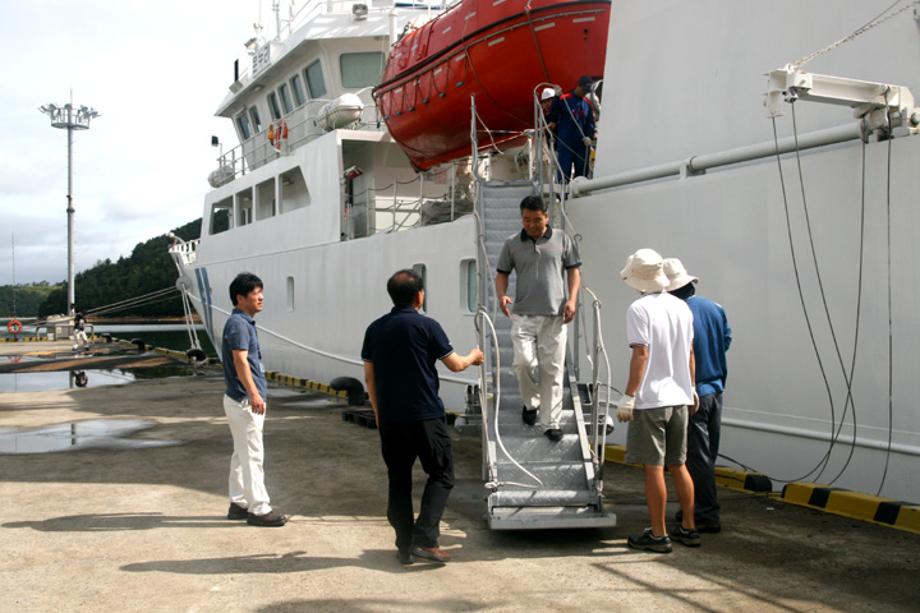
14,326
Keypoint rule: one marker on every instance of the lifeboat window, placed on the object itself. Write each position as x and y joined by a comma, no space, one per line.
361,69
469,285
315,82
422,271
273,106
285,98
220,216
297,90
255,119
242,122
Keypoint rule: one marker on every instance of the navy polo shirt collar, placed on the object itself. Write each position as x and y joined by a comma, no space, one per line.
547,235
246,317
405,308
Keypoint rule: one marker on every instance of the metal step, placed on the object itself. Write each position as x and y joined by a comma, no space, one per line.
549,518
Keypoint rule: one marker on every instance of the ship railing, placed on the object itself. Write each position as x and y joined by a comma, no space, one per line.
304,124
186,251
402,202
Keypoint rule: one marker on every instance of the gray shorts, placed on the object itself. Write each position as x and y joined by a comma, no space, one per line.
657,436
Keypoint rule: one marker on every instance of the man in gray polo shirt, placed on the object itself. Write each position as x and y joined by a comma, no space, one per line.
546,261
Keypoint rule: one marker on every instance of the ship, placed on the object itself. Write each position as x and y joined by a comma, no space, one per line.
775,156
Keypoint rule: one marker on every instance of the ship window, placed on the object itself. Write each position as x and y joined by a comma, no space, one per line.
244,126
469,285
255,119
244,206
315,82
297,90
422,271
265,199
273,106
290,294
220,216
285,98
361,69
294,192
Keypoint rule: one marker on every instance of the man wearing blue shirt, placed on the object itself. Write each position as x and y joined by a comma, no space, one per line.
245,404
400,352
712,337
575,129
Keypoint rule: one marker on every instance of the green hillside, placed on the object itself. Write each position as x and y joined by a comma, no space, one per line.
149,268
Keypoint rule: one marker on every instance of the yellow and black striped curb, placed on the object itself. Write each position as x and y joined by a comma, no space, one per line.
739,480
173,353
314,386
24,339
855,505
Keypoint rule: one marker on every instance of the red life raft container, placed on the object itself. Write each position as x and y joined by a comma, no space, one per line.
497,50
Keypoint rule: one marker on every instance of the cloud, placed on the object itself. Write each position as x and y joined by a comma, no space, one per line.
155,72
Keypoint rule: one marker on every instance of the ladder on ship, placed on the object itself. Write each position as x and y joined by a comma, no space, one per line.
533,483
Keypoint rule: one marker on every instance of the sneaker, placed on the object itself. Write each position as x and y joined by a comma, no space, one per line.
435,554
553,434
650,542
690,538
405,557
529,416
268,520
237,512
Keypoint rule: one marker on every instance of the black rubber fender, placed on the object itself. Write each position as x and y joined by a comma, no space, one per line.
196,355
141,345
352,386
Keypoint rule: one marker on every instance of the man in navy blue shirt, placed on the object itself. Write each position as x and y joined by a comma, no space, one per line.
400,353
712,337
245,404
575,129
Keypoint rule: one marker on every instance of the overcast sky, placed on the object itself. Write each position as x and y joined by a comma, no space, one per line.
156,71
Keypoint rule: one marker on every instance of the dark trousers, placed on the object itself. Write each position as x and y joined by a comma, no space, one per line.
702,451
401,444
569,154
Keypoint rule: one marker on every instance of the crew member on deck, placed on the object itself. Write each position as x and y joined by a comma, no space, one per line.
576,129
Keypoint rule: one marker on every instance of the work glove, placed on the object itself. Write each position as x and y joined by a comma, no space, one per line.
625,408
695,405
587,141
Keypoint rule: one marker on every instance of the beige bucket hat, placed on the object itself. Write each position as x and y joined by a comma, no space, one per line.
677,274
644,271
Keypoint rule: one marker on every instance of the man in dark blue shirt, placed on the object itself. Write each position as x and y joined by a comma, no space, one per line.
400,352
575,129
244,404
712,337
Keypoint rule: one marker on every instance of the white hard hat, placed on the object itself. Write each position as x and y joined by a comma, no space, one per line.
547,93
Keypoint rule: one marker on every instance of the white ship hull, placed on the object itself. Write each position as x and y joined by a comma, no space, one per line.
727,225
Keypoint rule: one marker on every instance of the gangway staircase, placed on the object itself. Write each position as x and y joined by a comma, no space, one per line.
534,483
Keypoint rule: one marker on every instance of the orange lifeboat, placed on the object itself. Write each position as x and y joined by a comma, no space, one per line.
497,50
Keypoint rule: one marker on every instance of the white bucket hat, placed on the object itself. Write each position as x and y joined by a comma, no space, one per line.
644,271
547,93
677,274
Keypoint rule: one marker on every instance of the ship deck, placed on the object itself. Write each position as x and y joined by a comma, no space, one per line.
141,529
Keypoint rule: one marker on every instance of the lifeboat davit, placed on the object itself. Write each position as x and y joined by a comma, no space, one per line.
497,50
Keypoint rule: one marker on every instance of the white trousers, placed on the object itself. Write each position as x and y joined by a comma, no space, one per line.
539,363
247,479
79,337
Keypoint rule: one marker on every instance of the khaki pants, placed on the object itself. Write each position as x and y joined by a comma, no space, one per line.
247,479
539,363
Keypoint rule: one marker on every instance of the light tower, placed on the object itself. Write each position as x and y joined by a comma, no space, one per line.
70,118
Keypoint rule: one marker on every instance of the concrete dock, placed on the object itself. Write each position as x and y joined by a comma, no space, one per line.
115,529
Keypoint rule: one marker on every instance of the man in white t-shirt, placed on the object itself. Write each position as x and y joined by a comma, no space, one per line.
659,396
